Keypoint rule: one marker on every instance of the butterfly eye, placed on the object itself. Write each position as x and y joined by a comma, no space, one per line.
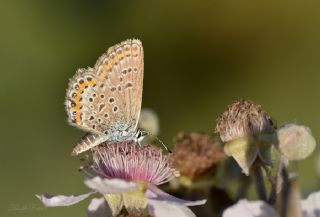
139,134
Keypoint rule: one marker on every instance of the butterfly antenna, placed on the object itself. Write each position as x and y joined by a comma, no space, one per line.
159,140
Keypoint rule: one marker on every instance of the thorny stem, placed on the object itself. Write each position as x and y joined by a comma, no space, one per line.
258,180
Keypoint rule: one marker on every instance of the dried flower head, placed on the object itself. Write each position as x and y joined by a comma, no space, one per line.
243,118
196,154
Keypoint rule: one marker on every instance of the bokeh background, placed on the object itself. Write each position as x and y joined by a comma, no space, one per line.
199,57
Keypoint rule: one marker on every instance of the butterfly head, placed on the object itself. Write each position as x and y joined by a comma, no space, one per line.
140,135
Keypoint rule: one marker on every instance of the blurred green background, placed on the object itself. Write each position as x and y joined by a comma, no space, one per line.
199,57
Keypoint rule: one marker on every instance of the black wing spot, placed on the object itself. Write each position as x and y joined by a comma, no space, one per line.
128,85
72,103
101,106
111,100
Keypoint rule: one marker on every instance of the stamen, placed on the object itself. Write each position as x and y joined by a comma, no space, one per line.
130,161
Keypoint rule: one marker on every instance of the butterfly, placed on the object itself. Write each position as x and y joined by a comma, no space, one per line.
106,100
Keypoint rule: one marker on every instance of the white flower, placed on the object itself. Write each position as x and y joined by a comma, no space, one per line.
127,177
244,208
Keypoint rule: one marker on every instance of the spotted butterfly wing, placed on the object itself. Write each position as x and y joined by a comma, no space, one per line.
106,100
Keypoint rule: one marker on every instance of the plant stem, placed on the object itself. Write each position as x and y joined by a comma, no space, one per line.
258,181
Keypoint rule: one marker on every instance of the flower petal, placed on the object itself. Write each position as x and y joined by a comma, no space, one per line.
311,205
98,208
62,200
163,209
109,186
155,194
246,208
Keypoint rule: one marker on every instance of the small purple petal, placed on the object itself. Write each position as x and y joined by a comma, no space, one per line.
110,186
163,209
311,205
98,208
155,194
62,200
246,208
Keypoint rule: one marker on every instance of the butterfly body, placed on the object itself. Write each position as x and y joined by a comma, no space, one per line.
106,100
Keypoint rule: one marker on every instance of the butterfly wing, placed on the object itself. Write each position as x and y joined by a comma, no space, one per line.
80,98
101,99
122,70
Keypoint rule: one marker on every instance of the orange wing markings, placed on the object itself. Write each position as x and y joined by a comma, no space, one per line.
77,100
113,61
